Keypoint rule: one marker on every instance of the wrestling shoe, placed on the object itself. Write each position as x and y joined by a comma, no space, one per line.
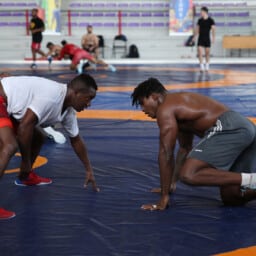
58,137
112,68
207,67
201,67
5,215
79,68
33,66
33,179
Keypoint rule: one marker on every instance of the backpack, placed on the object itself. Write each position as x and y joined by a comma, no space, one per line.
189,42
133,52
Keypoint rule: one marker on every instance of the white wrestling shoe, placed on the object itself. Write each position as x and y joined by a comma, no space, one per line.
207,67
202,67
58,137
111,68
79,68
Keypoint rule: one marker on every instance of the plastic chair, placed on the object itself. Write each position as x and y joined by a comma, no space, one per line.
119,45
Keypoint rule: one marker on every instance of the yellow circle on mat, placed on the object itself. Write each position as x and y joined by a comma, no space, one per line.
40,161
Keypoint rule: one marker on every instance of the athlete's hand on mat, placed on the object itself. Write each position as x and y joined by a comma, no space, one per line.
90,179
162,204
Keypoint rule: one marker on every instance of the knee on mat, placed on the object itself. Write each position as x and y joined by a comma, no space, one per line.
231,196
235,201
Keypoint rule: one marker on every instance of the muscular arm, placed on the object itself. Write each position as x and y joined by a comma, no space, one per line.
25,136
196,33
213,33
185,142
81,151
168,134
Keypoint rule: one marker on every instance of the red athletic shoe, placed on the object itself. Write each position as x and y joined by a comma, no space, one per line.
33,179
4,214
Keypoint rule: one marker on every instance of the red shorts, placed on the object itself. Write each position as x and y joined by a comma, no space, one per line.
35,46
5,120
81,54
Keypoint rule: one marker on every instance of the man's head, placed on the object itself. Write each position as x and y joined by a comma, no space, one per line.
82,90
50,45
148,95
34,12
89,29
63,42
204,12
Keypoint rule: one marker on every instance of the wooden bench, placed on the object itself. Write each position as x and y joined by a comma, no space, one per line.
239,43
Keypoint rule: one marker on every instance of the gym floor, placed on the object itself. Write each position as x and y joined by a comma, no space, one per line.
65,219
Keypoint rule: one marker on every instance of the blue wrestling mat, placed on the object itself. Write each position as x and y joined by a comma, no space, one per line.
64,219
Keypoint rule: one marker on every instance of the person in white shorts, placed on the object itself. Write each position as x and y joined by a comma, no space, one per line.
28,103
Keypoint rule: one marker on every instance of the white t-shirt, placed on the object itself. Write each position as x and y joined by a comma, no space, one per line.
44,97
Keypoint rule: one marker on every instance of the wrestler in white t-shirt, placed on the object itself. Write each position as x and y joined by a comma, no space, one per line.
44,97
27,102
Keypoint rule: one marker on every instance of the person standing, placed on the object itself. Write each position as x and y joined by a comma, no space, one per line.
36,27
205,25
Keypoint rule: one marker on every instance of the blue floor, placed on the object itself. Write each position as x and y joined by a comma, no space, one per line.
64,219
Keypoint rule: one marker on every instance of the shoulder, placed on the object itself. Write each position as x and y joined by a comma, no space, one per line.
211,20
70,115
167,109
39,20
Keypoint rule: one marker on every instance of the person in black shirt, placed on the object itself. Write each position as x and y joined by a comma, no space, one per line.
205,25
36,28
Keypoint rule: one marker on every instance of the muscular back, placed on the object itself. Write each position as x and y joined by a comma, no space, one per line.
194,113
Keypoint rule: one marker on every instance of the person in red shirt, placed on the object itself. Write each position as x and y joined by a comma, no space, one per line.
76,54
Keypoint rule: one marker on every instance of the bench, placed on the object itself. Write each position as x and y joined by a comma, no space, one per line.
239,42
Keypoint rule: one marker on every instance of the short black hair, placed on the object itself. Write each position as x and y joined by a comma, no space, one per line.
63,42
145,89
49,44
205,9
83,83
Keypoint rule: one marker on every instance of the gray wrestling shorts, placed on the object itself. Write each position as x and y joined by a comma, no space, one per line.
229,145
